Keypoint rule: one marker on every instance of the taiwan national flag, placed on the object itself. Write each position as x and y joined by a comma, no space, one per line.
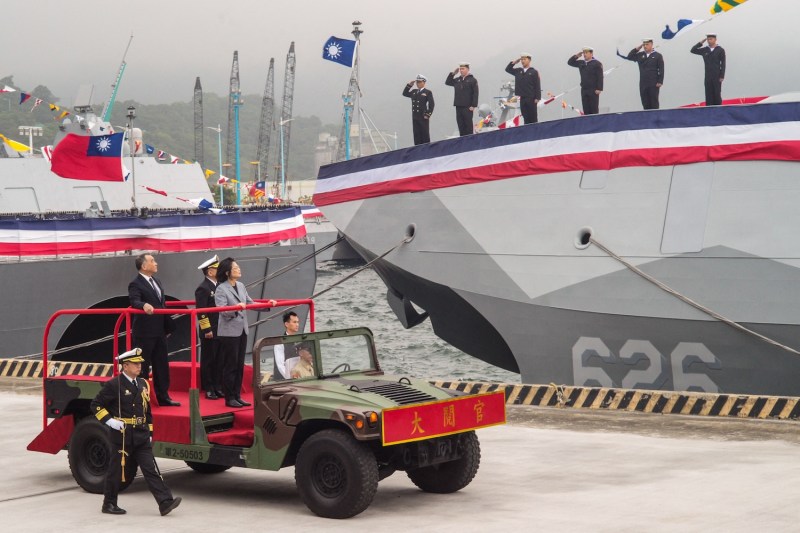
82,157
259,189
342,51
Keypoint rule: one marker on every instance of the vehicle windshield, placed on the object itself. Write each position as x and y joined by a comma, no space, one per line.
307,356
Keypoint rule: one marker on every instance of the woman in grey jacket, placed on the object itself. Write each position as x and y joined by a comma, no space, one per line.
232,329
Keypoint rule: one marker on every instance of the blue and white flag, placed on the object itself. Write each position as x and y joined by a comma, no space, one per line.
342,51
683,25
205,205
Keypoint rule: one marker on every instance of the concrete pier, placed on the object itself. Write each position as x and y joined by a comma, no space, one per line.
575,470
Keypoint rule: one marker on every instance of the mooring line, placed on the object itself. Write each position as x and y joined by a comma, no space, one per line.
337,283
686,299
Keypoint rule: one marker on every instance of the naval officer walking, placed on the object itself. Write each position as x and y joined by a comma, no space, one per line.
123,404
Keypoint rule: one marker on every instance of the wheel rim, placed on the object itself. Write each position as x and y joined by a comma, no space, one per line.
329,476
96,457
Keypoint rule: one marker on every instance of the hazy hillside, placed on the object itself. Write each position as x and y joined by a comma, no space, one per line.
170,127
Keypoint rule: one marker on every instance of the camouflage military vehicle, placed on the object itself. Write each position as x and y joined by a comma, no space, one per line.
344,426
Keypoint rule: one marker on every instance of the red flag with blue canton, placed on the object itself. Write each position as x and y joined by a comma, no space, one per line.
259,189
96,158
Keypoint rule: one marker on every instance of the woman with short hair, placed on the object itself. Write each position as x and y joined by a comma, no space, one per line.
232,329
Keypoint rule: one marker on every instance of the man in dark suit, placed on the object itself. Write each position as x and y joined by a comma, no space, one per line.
465,97
527,87
421,109
123,404
210,358
651,72
591,79
714,58
150,331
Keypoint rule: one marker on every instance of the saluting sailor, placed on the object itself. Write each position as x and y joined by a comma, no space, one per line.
123,404
421,108
465,96
527,87
591,71
210,357
714,59
651,72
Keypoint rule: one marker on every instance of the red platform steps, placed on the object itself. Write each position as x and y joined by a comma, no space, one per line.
171,424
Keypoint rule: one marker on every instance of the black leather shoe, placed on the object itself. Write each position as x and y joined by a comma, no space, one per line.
168,402
220,393
167,506
111,508
233,403
244,403
211,395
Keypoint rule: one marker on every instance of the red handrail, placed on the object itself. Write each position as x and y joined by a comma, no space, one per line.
126,312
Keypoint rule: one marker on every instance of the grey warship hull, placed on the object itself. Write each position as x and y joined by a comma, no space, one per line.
503,258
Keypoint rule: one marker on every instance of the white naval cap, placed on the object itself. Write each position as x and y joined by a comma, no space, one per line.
421,77
131,356
213,262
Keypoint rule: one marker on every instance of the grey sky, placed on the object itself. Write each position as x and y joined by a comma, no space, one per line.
64,44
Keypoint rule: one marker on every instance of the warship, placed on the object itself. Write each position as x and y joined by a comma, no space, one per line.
648,249
70,243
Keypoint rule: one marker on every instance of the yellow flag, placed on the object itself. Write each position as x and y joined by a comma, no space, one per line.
209,172
19,147
725,5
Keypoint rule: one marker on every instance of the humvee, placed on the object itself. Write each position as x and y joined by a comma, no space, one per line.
344,427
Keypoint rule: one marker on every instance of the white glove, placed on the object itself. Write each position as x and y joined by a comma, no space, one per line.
113,423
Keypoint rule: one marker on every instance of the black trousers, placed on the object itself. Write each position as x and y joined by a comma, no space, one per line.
233,349
713,91
210,364
137,445
422,130
591,102
464,121
154,351
530,112
649,96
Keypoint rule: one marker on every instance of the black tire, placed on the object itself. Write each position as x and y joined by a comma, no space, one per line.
207,468
336,476
90,450
451,476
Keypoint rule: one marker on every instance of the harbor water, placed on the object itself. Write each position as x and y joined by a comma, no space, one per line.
418,352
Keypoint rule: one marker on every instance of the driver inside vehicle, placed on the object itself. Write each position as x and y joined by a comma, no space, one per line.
305,365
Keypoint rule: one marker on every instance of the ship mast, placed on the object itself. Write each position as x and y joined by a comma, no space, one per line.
115,86
351,104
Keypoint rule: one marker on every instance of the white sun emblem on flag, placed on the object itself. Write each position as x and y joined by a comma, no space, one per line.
334,50
104,144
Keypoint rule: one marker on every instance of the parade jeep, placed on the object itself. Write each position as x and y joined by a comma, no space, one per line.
344,428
